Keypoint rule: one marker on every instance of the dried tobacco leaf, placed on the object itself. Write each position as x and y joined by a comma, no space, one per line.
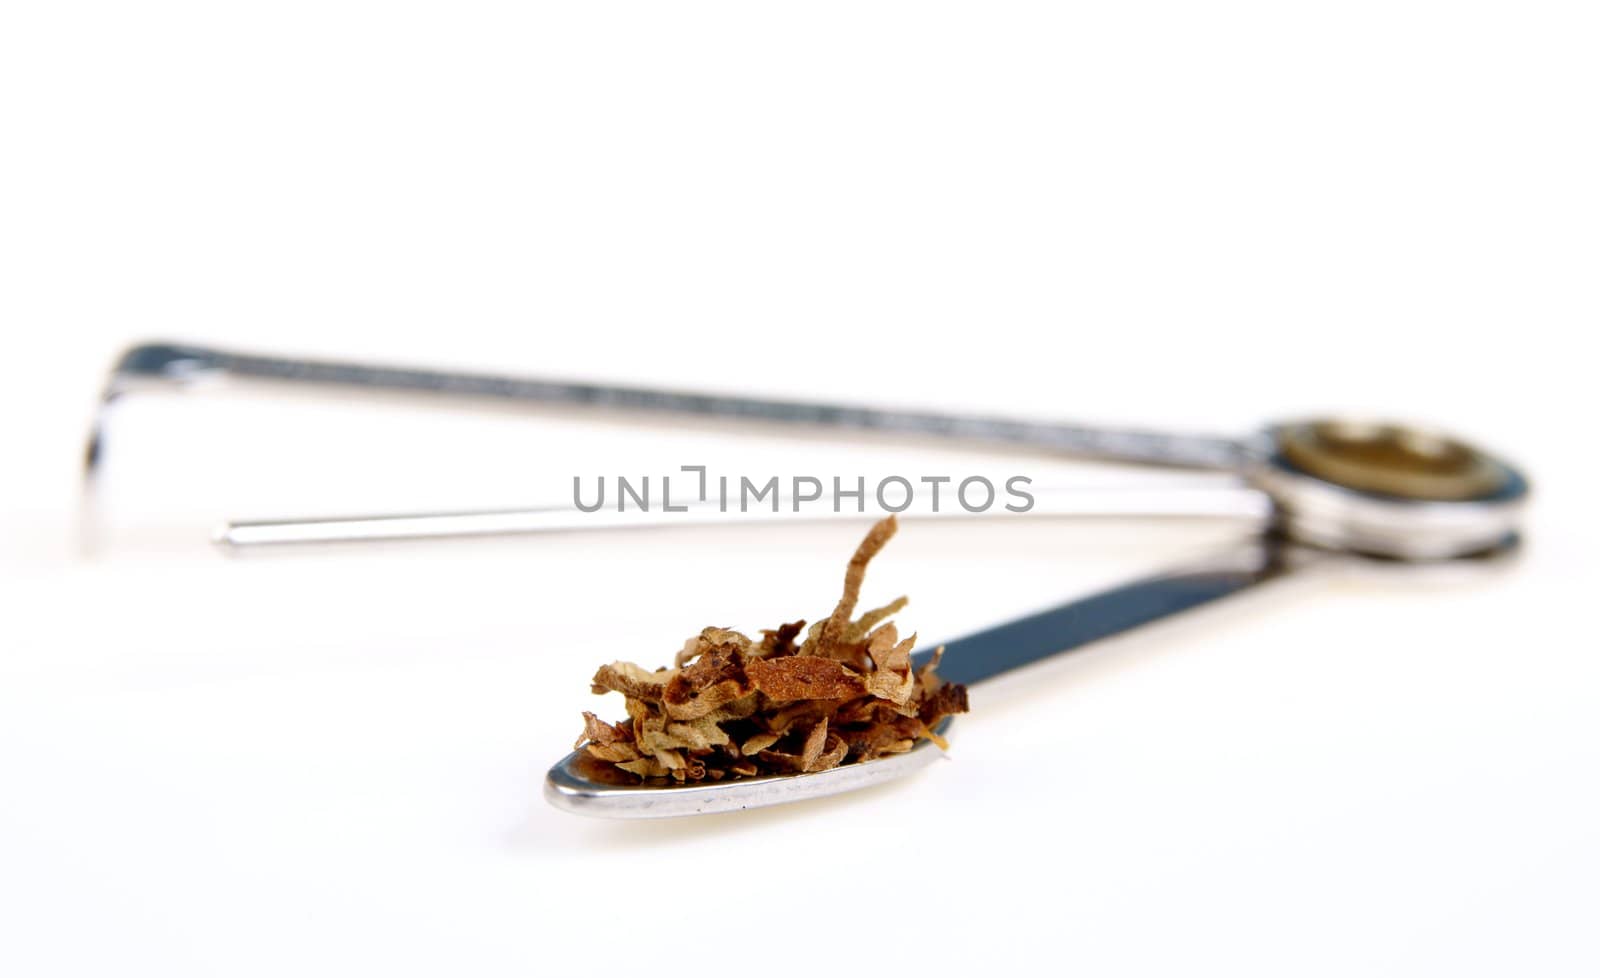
731,707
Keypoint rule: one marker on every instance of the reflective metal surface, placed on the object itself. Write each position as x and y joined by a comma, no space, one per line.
1476,500
1249,508
578,785
1392,460
1078,623
172,365
1352,487
1381,489
584,788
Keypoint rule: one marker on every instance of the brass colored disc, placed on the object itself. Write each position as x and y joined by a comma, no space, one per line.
1391,460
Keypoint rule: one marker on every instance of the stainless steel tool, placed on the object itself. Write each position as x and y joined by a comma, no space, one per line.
1306,488
1380,489
577,784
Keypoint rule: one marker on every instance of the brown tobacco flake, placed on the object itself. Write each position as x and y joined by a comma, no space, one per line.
714,680
731,707
805,677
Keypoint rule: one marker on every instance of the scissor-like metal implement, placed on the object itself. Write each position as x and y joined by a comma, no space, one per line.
1377,490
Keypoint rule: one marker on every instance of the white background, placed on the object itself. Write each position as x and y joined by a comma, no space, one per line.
1199,216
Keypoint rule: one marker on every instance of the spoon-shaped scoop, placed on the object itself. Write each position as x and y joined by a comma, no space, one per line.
581,785
1379,490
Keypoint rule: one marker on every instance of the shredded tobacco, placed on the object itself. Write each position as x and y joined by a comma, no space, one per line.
732,706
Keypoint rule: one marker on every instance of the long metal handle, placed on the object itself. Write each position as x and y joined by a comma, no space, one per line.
1250,508
1024,641
168,365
